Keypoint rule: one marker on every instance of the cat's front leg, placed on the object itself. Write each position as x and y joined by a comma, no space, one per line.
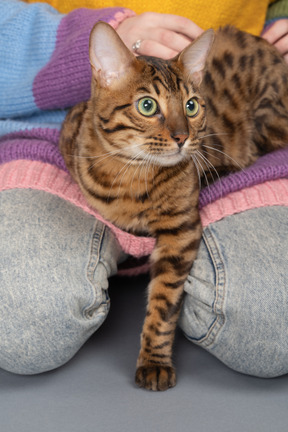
171,261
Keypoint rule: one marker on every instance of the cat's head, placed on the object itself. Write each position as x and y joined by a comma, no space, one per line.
148,108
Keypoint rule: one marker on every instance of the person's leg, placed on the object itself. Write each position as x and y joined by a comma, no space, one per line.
55,261
236,303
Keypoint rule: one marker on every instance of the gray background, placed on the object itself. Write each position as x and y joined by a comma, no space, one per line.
95,391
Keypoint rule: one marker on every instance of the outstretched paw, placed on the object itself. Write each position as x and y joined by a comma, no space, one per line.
156,378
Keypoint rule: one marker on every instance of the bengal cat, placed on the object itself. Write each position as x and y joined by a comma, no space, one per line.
137,146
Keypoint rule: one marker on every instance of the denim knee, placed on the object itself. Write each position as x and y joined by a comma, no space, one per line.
55,263
236,304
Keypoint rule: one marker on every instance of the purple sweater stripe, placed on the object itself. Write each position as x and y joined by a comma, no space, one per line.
65,80
37,144
269,167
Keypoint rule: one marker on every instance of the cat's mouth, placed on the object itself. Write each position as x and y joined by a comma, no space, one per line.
170,158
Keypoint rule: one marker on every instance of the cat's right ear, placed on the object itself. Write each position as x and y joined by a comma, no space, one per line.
193,58
110,59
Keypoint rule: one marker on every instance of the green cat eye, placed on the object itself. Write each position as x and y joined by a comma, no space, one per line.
192,107
147,106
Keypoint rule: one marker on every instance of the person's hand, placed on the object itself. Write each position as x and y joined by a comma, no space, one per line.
160,35
277,35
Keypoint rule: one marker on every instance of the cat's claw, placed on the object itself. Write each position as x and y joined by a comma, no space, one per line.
156,378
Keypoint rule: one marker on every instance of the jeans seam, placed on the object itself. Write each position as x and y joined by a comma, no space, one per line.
95,250
220,290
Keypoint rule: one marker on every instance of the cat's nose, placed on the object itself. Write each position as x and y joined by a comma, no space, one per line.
180,138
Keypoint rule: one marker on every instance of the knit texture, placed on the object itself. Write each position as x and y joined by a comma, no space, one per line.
246,15
34,97
269,167
270,193
279,9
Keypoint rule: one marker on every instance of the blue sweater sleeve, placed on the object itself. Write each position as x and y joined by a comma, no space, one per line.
27,41
44,62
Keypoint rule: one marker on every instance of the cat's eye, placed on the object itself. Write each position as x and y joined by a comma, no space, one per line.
147,106
192,107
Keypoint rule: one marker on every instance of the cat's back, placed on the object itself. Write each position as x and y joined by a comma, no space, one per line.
245,86
243,61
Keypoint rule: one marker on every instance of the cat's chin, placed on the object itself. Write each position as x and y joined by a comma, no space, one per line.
169,159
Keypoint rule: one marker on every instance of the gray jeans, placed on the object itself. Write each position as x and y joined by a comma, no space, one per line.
54,267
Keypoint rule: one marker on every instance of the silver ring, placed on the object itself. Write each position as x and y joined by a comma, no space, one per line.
136,46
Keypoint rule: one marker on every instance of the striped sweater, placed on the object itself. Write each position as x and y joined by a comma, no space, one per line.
44,69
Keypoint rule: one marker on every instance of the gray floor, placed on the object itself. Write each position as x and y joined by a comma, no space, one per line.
96,392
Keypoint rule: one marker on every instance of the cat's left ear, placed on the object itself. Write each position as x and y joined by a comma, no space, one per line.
110,59
193,58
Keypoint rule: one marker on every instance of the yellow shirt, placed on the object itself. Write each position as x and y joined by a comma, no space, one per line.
248,15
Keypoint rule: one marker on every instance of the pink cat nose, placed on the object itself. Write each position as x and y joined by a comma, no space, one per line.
180,138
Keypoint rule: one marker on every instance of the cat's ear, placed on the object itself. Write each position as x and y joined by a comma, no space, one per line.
110,59
194,56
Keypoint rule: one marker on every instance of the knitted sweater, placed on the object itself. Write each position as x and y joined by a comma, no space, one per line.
44,68
246,15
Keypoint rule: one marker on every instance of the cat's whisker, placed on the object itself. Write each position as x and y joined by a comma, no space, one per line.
116,177
142,162
226,155
104,156
200,170
93,157
135,171
153,166
125,167
93,165
132,181
102,160
140,166
112,152
145,166
209,164
213,134
149,165
195,161
199,155
209,154
203,171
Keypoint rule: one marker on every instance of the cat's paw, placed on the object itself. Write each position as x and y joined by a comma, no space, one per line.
156,378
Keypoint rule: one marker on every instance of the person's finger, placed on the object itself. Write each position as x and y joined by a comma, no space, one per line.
282,45
174,23
155,49
276,31
141,26
170,39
